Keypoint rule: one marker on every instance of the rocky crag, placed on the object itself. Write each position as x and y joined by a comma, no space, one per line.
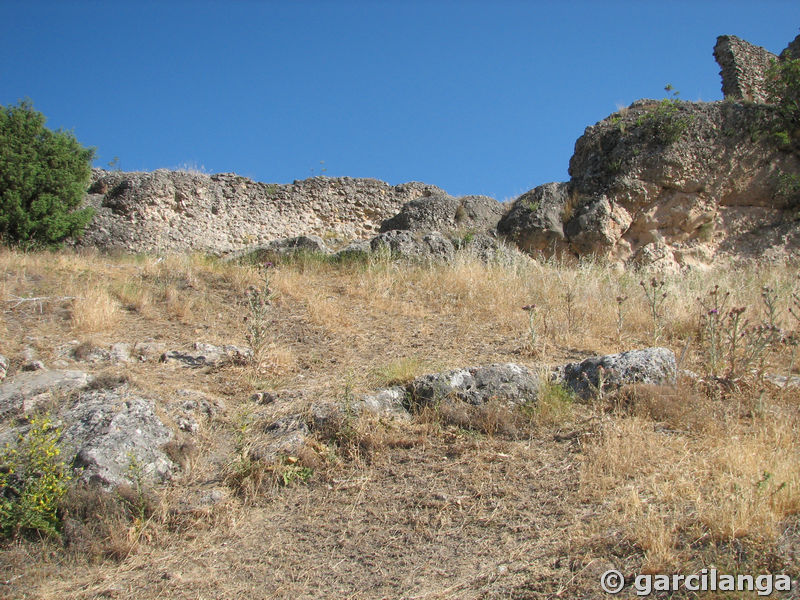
670,183
661,183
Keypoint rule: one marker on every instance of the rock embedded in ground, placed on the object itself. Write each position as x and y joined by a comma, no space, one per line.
388,403
279,248
120,352
195,402
33,365
209,355
606,373
145,351
27,390
509,382
115,437
283,437
3,367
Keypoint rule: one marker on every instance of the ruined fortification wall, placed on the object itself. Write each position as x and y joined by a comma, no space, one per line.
744,66
174,211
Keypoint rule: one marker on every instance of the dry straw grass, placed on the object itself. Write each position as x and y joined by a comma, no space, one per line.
94,310
677,476
686,479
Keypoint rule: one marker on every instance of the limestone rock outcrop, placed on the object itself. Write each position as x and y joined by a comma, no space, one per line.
108,435
662,184
695,177
668,184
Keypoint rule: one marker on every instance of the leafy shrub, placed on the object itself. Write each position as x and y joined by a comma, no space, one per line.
32,482
43,177
783,88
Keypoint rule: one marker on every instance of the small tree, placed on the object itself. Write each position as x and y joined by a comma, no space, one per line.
43,179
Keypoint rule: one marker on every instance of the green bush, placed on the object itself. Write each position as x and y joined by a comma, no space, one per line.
783,86
43,178
33,479
665,123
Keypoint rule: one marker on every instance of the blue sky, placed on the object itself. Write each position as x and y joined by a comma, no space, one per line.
475,97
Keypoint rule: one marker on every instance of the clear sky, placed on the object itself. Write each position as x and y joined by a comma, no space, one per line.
475,97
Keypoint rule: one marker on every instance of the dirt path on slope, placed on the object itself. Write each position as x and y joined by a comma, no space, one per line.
458,518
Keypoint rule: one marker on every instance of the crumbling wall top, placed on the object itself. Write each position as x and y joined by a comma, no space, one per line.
743,68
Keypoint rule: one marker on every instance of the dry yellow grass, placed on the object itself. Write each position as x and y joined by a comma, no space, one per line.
676,477
729,479
93,310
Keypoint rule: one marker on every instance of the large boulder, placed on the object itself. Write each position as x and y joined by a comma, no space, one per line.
693,180
600,374
444,213
109,436
669,184
535,220
432,246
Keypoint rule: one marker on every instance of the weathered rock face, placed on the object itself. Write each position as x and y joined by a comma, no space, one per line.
535,220
744,67
432,246
440,212
26,391
115,437
691,178
668,184
176,211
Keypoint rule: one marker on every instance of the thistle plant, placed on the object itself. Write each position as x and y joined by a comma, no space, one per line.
711,327
569,301
257,320
620,316
531,310
656,296
731,340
